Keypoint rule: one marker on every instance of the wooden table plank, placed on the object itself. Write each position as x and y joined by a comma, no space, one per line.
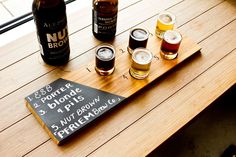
13,102
171,115
197,26
23,143
112,125
189,11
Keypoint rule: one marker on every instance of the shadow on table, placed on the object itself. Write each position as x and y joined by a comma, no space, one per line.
211,134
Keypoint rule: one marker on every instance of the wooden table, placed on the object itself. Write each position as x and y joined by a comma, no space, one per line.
142,123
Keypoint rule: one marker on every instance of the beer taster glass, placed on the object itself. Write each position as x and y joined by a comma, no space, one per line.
138,38
105,59
165,21
141,63
170,44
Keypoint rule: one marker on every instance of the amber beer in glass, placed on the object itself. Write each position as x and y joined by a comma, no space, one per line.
51,24
170,44
104,19
165,21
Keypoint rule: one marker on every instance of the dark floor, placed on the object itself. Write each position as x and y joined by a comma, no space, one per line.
208,135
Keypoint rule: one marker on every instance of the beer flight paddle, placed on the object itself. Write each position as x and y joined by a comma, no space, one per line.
78,99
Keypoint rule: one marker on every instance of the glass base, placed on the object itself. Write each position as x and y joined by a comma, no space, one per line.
130,50
104,72
138,74
159,33
168,55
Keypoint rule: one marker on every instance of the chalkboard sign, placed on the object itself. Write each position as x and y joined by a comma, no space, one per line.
65,107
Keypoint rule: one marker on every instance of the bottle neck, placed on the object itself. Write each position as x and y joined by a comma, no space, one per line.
48,3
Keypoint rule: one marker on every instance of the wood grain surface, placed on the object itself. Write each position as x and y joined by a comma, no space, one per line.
149,117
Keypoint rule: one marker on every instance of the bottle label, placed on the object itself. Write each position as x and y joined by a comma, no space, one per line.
53,38
104,24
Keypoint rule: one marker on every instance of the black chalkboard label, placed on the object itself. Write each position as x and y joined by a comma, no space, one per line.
65,107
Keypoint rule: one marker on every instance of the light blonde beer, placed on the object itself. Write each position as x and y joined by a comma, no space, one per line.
165,21
141,63
170,44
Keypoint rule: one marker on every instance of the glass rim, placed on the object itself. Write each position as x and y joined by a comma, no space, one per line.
144,29
172,16
176,34
105,45
145,50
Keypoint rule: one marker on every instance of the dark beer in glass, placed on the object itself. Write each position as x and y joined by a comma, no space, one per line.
105,59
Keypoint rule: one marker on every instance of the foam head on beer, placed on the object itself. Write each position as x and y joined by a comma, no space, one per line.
172,37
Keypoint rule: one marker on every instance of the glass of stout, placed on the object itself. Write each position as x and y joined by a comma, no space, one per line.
105,59
138,38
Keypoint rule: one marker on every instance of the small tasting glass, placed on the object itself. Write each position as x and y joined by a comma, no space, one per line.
165,21
141,63
170,44
138,37
105,59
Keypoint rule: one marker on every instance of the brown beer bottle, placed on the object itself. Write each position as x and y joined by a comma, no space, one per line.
51,24
104,16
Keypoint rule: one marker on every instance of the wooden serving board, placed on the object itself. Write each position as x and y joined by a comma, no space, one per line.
67,105
120,82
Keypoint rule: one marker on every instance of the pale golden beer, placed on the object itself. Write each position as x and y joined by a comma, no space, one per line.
141,63
165,21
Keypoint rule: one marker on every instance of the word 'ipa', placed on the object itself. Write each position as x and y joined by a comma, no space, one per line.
51,23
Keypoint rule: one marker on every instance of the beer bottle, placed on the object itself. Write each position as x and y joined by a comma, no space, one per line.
51,24
104,21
